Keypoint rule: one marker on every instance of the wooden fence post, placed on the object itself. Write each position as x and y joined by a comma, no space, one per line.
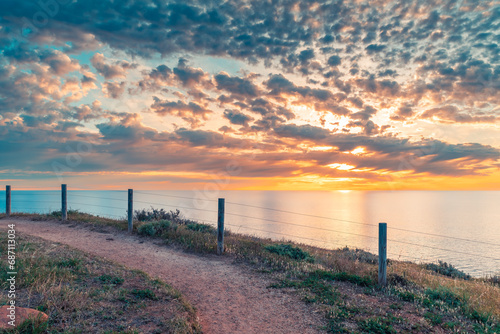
382,254
130,210
220,227
7,200
64,201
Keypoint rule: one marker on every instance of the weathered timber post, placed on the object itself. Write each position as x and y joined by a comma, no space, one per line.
382,254
7,200
64,201
220,227
130,210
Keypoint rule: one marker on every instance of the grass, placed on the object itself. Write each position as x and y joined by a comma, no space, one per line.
294,253
75,216
82,293
379,325
329,279
341,284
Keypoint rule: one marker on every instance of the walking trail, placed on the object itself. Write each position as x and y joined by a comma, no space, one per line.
229,298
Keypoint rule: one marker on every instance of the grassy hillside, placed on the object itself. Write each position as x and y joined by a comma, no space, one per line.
341,284
86,294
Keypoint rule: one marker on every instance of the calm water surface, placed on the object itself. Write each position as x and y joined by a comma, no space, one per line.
327,219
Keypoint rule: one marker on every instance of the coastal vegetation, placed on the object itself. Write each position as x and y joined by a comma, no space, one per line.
341,284
86,294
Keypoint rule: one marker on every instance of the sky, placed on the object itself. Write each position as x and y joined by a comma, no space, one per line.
251,95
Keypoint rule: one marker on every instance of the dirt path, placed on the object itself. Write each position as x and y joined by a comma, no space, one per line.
229,298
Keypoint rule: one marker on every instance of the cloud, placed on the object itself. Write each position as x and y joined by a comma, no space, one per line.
375,48
305,56
236,85
60,63
236,117
117,69
334,60
450,113
36,91
156,79
278,84
364,114
189,76
190,112
87,112
128,129
36,121
210,139
301,131
114,89
404,112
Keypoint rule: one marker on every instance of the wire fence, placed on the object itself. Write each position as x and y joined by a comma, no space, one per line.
338,233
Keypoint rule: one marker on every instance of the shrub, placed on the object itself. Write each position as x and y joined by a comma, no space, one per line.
289,251
154,228
147,229
360,255
152,214
494,280
446,269
58,213
204,228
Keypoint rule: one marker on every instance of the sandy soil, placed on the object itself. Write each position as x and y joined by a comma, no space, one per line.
229,298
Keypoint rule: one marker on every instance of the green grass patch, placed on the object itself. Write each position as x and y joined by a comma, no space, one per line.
110,279
290,251
30,326
434,318
320,290
407,296
69,263
343,277
144,294
75,216
378,325
444,296
442,304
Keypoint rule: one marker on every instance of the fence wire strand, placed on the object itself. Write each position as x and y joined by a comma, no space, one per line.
290,235
302,214
301,225
172,196
95,197
177,206
366,224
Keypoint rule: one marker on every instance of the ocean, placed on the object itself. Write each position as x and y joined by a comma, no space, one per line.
458,227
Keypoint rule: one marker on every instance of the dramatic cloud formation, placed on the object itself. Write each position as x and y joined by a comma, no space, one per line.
315,94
